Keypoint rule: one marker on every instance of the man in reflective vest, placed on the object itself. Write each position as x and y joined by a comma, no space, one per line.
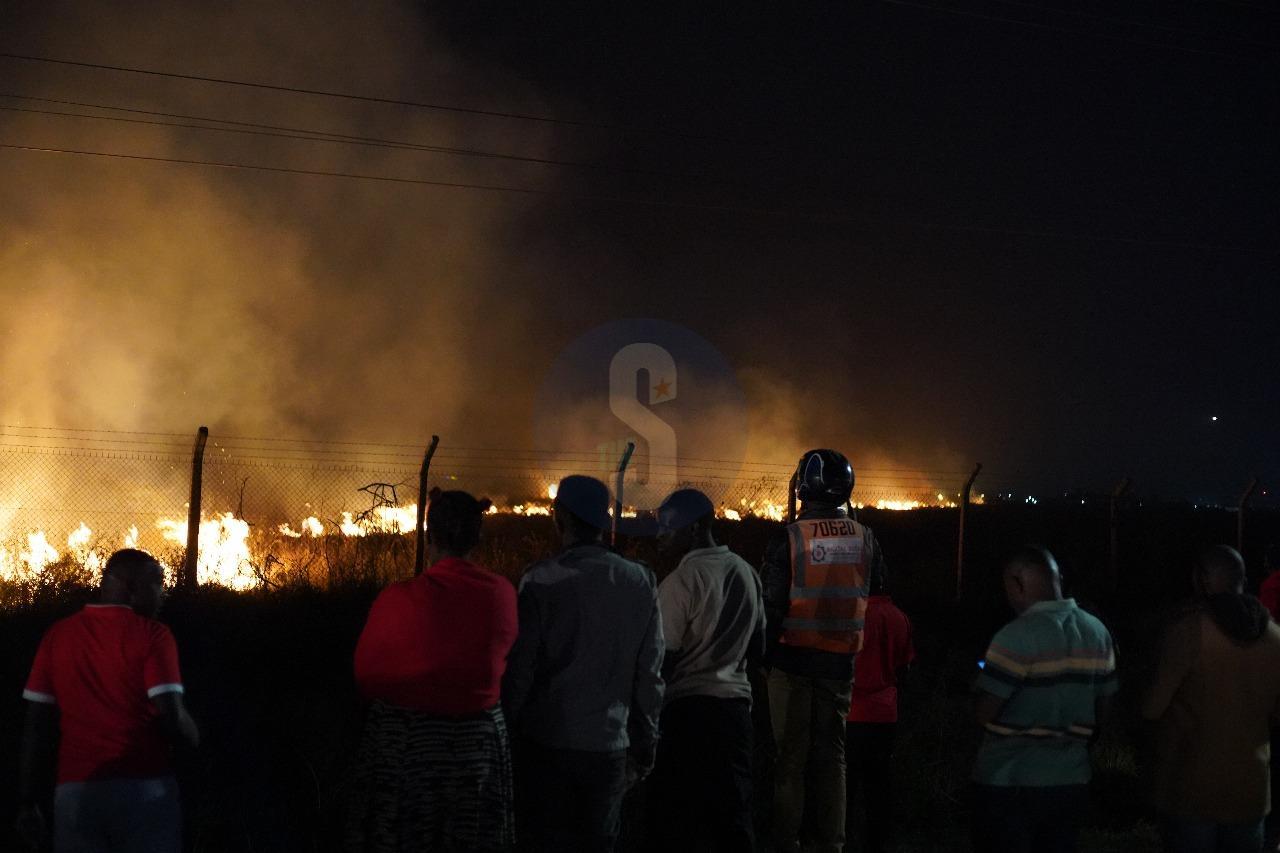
815,575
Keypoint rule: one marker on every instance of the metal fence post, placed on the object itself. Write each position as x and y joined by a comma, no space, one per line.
189,579
617,494
964,503
1116,494
1244,505
420,532
791,495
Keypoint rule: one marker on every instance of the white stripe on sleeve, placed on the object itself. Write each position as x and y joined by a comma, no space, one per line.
163,688
33,696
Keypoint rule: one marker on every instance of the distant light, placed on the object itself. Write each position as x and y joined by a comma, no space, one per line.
1213,418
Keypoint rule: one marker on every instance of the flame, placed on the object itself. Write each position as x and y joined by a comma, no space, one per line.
311,526
552,490
383,519
224,556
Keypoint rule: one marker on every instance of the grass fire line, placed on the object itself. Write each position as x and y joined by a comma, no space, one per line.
240,555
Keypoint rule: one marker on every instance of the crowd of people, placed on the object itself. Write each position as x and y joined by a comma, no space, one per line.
502,718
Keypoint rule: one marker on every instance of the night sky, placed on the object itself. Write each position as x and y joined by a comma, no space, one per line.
1040,235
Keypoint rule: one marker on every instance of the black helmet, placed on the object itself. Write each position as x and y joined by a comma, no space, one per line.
824,476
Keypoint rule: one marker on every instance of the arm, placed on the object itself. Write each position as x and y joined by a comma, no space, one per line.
646,694
673,605
877,568
1177,653
759,633
176,720
517,681
36,762
987,707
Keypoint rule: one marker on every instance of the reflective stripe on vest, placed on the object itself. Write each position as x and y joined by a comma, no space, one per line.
828,585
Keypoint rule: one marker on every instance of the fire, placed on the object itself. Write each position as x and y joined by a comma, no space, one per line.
311,526
382,519
224,556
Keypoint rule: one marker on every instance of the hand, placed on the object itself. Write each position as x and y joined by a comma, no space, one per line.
637,771
30,826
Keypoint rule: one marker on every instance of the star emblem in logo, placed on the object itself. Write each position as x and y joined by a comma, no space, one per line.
662,389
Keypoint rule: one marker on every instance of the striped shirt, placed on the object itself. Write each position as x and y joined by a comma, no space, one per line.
1051,664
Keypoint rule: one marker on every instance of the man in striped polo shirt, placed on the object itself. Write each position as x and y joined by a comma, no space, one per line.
1047,679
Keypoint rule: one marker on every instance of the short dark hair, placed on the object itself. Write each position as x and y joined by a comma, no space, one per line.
131,565
453,520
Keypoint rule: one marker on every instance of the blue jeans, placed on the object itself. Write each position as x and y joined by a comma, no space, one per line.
117,816
1191,835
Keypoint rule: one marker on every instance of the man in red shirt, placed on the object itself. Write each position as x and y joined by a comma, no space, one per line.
873,715
106,680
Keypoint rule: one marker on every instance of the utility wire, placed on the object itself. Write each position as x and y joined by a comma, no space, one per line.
824,216
373,99
281,132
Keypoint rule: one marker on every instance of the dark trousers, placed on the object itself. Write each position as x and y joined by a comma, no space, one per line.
1028,820
868,749
700,798
568,799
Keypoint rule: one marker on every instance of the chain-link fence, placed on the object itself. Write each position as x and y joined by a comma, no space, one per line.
279,511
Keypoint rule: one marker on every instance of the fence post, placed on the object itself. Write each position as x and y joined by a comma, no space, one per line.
1116,494
189,579
964,504
617,494
420,531
791,495
1244,504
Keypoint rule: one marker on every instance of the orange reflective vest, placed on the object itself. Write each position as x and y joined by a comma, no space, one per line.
828,585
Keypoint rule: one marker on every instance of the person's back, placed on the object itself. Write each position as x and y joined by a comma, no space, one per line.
105,685
596,609
583,687
873,717
1048,679
1216,693
439,642
101,666
434,769
713,623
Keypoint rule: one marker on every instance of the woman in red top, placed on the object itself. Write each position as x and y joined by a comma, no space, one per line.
435,765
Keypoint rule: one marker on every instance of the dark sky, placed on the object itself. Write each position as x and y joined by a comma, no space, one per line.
926,237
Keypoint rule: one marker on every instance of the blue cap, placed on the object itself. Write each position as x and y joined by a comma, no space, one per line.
586,497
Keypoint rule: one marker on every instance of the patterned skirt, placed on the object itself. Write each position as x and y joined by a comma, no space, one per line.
423,783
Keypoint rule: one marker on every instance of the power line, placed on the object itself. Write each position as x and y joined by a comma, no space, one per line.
823,216
282,132
373,99
1053,27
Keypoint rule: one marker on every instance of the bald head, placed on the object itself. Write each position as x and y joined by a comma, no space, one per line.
1031,575
1220,569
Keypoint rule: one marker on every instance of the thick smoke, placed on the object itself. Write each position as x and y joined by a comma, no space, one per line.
157,297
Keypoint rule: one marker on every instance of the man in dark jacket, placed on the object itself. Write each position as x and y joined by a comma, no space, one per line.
583,686
815,574
1216,691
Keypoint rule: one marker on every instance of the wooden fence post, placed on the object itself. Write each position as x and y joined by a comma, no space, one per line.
964,504
420,532
617,494
190,579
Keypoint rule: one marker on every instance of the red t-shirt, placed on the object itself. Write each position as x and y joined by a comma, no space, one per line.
439,643
1270,594
886,649
101,667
